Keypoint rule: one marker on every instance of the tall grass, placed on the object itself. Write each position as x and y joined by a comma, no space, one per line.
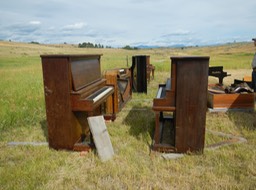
134,166
21,92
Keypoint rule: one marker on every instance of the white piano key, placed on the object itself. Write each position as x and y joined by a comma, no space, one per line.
159,92
98,97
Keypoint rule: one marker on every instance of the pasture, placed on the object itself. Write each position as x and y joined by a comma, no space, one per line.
134,166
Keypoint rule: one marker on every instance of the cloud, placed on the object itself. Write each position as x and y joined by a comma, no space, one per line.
21,31
180,32
35,22
22,28
118,23
75,26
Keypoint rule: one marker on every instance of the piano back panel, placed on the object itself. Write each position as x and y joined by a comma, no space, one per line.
191,102
139,73
85,71
63,127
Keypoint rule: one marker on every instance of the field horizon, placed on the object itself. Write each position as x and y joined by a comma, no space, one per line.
134,165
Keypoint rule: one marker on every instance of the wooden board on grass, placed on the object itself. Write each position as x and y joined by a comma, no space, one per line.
101,137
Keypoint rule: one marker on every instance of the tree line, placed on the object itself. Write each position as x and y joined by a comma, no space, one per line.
91,45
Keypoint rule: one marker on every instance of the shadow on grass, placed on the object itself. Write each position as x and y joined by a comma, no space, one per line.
141,122
43,124
243,120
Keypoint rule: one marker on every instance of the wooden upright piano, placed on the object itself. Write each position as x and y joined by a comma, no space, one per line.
180,107
74,90
120,78
139,73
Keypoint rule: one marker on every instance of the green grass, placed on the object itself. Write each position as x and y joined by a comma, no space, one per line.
134,166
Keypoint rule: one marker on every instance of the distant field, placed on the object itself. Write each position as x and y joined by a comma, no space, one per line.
134,166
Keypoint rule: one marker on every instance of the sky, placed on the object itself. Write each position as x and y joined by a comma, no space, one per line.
118,23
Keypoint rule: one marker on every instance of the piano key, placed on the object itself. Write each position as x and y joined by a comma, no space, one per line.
159,92
121,70
102,94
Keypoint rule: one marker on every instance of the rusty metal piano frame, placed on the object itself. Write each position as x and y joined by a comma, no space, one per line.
74,90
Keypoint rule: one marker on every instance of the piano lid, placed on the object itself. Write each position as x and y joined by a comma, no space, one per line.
189,57
71,55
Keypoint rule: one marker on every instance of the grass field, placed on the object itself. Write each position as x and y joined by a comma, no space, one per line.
134,166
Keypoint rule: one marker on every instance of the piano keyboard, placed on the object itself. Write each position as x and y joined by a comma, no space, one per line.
100,93
121,71
159,92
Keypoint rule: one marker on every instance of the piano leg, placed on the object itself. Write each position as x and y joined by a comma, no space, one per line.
90,114
112,116
156,135
114,110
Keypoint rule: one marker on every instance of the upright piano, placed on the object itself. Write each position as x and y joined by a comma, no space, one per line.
180,106
120,78
74,90
139,73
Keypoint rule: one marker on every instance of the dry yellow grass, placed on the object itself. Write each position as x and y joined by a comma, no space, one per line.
134,166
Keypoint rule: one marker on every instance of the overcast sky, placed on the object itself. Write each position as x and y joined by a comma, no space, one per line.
118,23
